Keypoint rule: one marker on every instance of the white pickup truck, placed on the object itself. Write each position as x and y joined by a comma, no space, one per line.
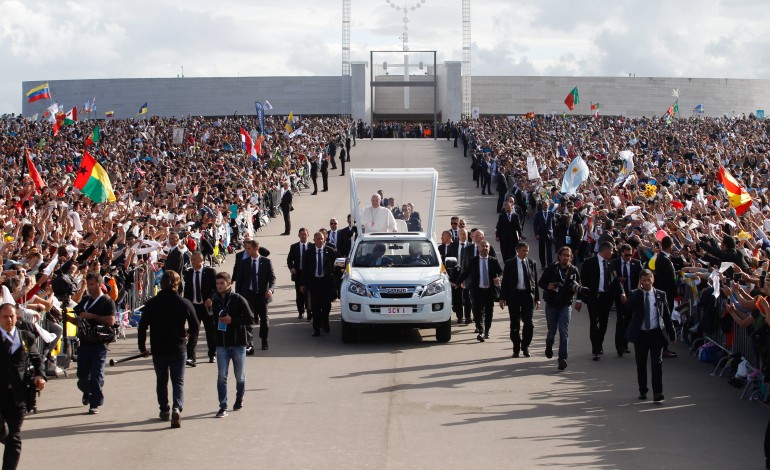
395,278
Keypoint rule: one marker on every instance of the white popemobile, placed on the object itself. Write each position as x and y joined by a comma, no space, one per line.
393,276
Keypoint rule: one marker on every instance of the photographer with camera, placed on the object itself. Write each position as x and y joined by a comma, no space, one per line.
559,281
96,318
18,355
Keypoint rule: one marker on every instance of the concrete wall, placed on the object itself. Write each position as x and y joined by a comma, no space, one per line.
390,100
632,97
360,107
198,96
452,99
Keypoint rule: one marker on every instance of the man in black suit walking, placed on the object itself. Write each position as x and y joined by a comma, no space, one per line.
342,161
325,173
604,287
483,279
461,300
256,282
178,257
317,281
519,291
17,352
199,287
345,238
314,174
286,207
650,329
508,232
543,226
627,269
665,278
332,150
347,148
294,261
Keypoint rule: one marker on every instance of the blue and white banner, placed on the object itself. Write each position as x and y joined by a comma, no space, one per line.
260,116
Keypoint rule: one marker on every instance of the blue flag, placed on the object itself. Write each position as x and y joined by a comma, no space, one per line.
260,116
576,173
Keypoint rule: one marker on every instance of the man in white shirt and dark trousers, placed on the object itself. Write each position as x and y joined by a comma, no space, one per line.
317,270
199,287
519,291
650,329
294,261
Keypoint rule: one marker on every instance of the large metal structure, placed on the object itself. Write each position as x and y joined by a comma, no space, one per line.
345,78
466,58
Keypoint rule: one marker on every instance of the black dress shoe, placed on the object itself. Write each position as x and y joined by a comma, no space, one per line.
562,364
658,398
596,357
300,315
84,400
238,404
264,345
316,333
642,396
314,193
480,338
324,190
626,350
211,360
191,363
467,321
460,321
620,353
486,336
525,352
250,351
601,352
328,329
515,354
549,352
285,233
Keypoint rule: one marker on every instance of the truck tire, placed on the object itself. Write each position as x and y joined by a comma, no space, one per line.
348,332
444,332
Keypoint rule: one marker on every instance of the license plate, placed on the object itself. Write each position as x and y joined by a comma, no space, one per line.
396,310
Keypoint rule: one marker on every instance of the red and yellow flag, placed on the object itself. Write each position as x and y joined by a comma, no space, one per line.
736,193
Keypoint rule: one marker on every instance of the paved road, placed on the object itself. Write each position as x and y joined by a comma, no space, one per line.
398,399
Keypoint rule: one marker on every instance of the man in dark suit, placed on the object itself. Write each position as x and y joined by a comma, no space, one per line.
325,173
294,261
447,247
17,352
519,291
332,150
461,299
342,161
256,282
347,148
508,232
346,236
286,207
455,230
199,287
483,280
604,287
627,269
317,281
543,227
665,278
178,257
485,175
314,174
650,329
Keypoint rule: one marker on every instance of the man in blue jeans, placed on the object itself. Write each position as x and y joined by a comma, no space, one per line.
233,317
166,315
559,282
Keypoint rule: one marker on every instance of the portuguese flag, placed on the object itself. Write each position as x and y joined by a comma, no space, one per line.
93,181
736,193
572,99
94,137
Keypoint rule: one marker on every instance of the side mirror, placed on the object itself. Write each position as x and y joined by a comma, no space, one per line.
450,262
340,263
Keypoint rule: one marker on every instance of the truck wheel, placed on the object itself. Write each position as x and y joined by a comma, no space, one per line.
444,332
348,332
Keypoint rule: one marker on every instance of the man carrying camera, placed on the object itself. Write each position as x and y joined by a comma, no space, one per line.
559,282
96,316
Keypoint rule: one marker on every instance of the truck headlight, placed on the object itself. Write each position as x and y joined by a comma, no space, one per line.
434,288
357,288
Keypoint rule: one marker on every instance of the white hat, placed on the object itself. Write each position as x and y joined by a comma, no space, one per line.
7,297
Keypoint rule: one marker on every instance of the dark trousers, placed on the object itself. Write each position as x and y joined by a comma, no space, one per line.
286,211
331,160
545,246
325,180
315,183
300,297
624,316
347,151
508,248
650,343
258,305
342,164
483,304
13,416
171,364
500,199
520,310
91,360
461,302
598,316
208,327
486,184
321,289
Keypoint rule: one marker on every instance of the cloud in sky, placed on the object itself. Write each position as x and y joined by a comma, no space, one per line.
49,40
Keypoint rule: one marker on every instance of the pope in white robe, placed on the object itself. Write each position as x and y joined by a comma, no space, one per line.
376,218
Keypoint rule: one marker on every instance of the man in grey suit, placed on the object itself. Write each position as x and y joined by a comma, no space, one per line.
650,329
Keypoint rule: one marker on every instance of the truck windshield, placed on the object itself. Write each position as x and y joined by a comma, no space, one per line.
395,253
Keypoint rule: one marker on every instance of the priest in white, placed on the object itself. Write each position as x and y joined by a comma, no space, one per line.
376,218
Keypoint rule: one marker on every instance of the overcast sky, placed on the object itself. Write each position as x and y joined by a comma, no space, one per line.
68,39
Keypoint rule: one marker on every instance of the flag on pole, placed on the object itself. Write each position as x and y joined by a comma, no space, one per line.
268,106
248,144
94,137
260,116
92,109
576,173
699,109
595,109
93,181
142,110
71,117
110,114
290,123
39,93
676,106
87,107
572,99
736,192
33,173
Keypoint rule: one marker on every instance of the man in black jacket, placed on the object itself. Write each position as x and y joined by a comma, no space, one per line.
166,315
286,207
483,279
559,282
665,278
294,262
317,282
650,329
234,317
346,236
178,257
199,287
17,351
508,232
325,173
314,174
519,291
543,226
627,269
255,283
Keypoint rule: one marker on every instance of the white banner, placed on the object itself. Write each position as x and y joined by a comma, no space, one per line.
532,171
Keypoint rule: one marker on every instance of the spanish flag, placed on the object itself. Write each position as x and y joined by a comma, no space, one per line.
736,193
93,181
